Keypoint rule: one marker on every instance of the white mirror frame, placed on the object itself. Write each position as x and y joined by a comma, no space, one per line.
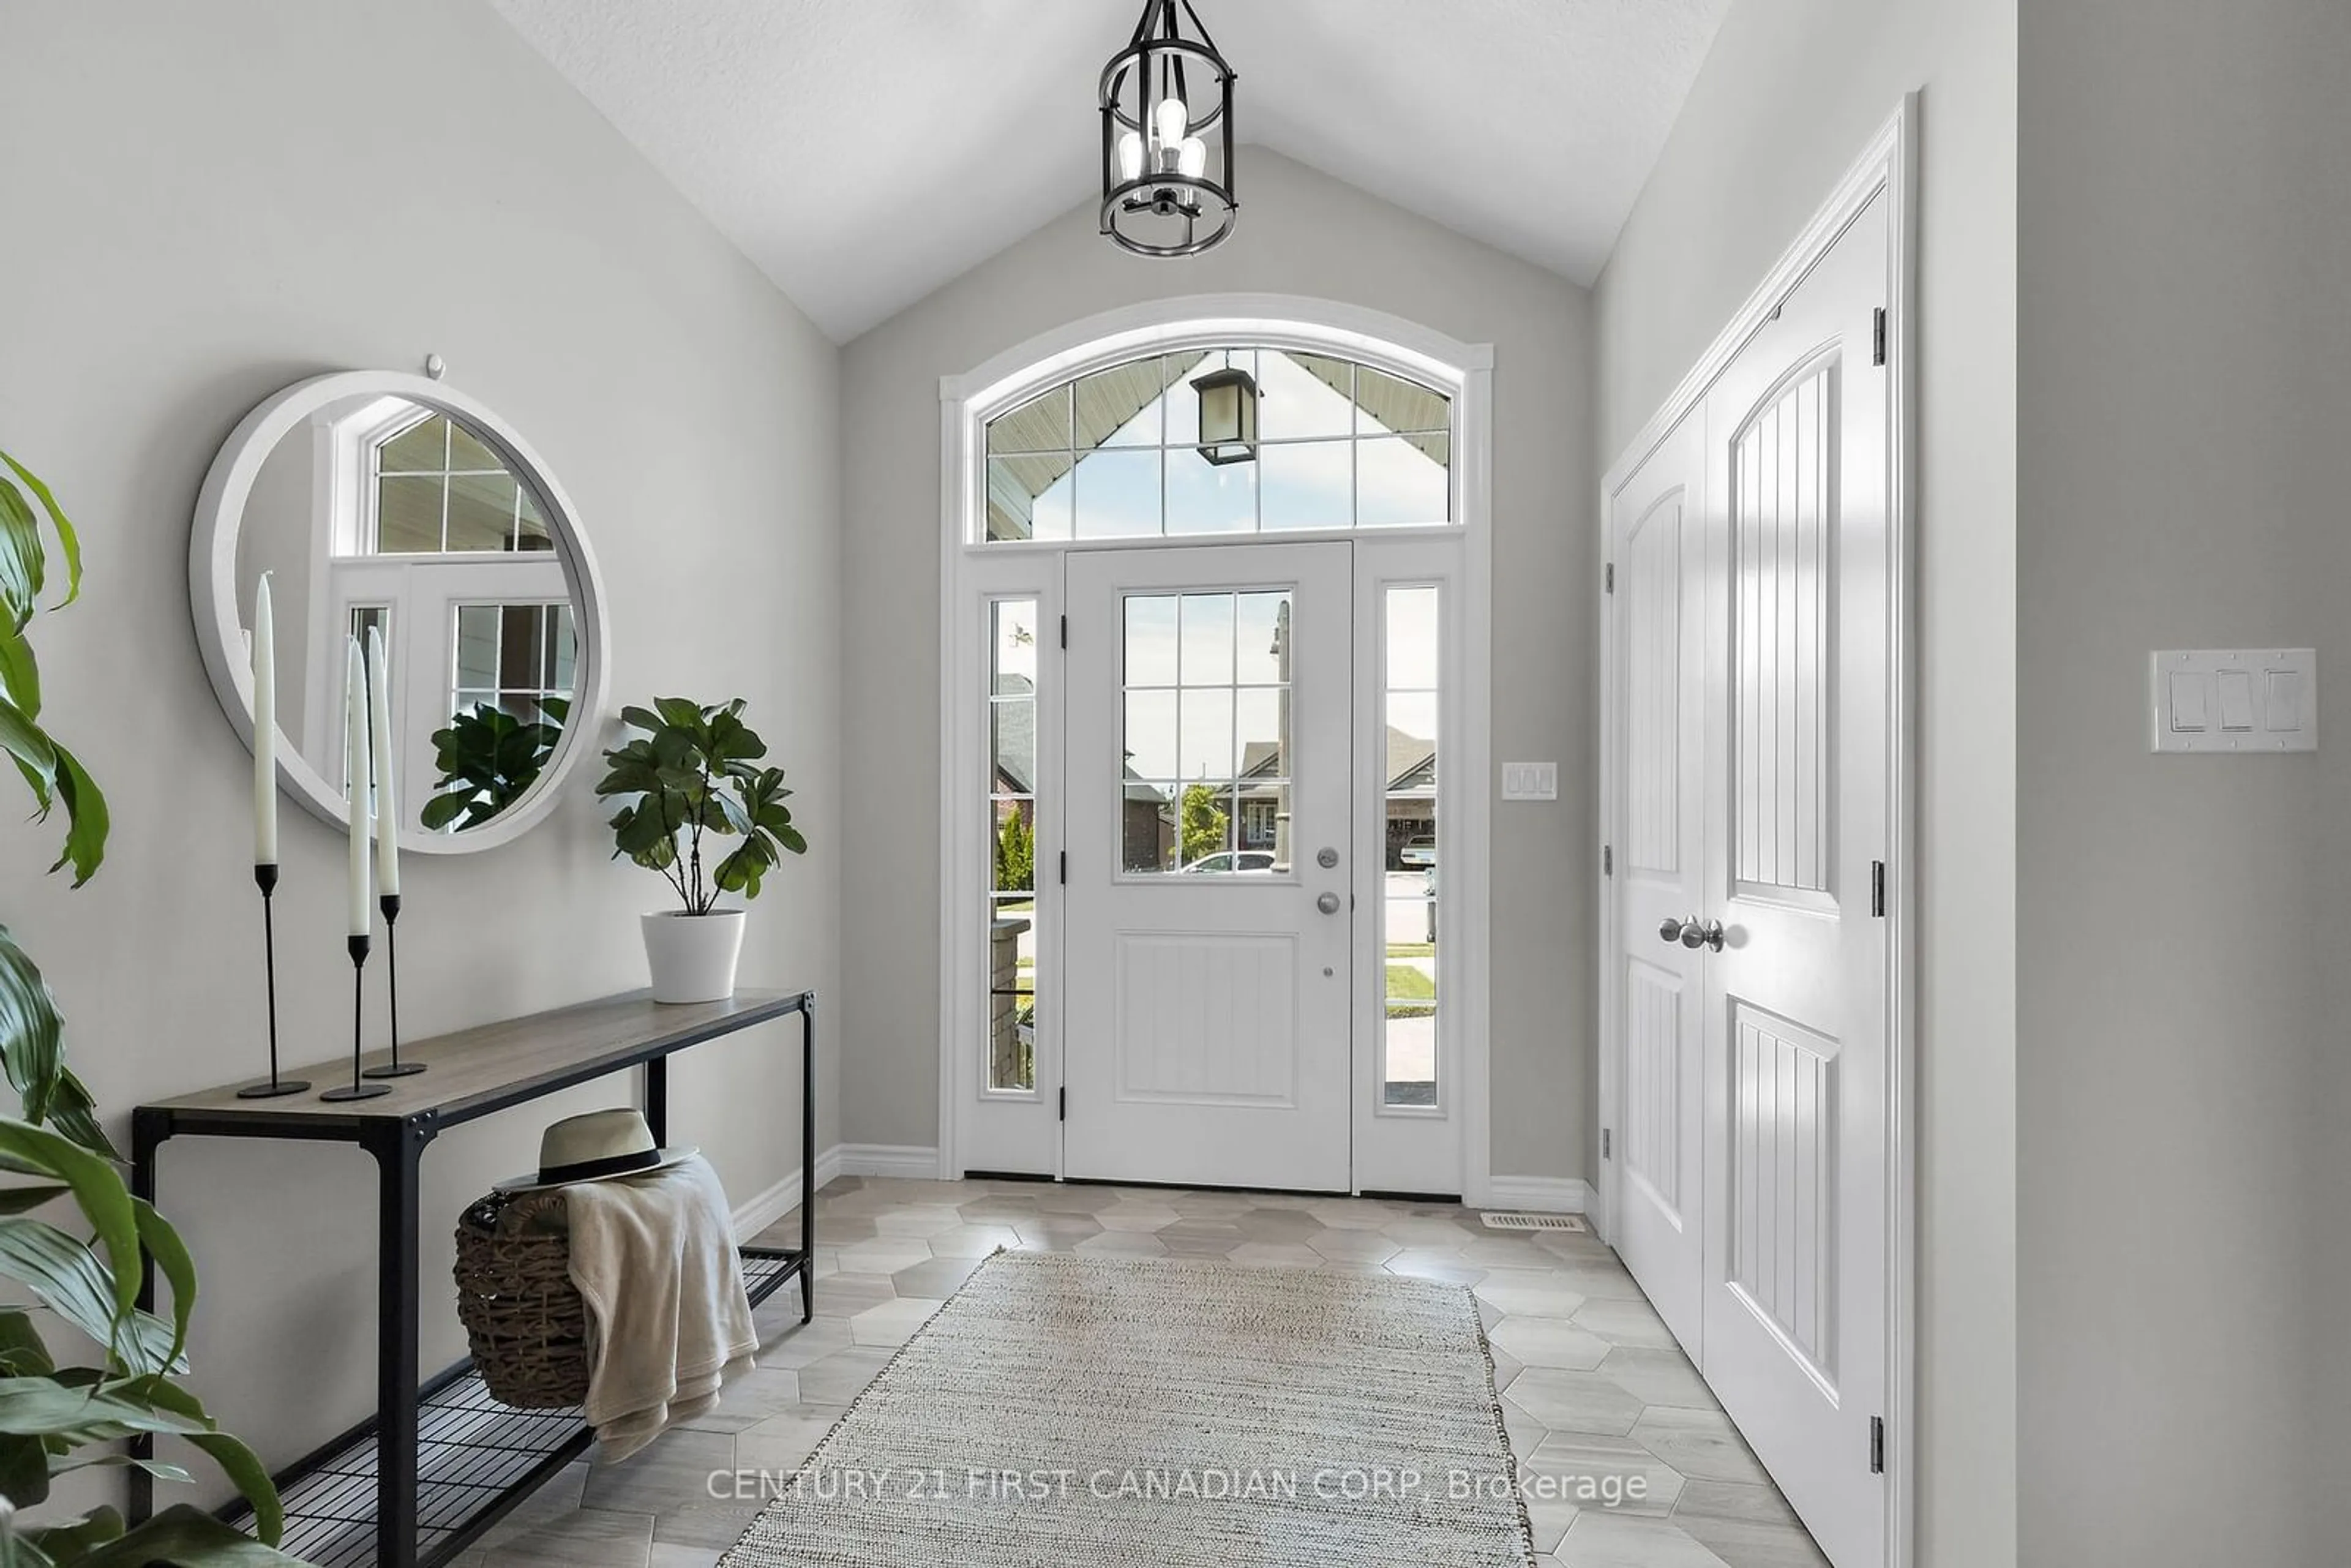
220,635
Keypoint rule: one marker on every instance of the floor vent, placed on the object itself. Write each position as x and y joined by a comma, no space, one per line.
1535,1222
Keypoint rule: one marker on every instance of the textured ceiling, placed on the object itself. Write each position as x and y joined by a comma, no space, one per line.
864,151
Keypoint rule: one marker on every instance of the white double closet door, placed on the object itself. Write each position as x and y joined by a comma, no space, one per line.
1756,779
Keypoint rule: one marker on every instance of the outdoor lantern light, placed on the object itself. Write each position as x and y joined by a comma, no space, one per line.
1228,415
1168,137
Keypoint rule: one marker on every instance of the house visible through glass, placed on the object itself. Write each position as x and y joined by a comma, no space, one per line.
1205,781
1012,849
1408,785
1120,452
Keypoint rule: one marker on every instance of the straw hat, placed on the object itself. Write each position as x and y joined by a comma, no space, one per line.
598,1146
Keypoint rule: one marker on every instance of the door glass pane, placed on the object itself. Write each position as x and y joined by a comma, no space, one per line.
1205,782
408,516
1307,486
1012,948
1410,645
1028,497
1117,494
1121,406
1304,395
1403,482
1204,498
1041,425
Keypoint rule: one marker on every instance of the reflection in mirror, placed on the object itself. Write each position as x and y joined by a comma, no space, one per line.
378,512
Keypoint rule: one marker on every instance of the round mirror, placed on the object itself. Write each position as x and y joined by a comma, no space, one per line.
385,505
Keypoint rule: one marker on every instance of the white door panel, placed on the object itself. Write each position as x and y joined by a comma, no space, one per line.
1208,766
1660,548
1798,811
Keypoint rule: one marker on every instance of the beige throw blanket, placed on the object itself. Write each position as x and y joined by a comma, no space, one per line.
668,1319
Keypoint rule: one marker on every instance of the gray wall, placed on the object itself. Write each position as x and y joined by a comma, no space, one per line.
1789,95
2184,394
1300,232
210,201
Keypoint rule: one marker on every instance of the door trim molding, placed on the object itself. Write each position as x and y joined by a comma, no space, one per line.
1372,336
1889,166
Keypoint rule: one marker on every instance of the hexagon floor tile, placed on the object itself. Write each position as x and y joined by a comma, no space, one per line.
1595,1393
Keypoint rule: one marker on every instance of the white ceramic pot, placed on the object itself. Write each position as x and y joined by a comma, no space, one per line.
693,956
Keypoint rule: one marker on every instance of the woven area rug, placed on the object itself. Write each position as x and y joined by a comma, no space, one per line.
1101,1413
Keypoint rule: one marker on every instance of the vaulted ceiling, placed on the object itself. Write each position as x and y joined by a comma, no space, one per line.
864,151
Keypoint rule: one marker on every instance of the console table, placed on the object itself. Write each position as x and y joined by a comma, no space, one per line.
440,1461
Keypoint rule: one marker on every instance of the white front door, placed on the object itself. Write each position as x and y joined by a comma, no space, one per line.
1209,882
1658,539
1798,813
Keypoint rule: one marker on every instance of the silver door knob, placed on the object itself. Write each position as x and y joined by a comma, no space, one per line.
1328,904
1671,931
1706,935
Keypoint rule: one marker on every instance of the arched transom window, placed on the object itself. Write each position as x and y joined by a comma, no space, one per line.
1219,441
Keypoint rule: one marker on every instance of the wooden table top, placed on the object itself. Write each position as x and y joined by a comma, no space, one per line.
477,1071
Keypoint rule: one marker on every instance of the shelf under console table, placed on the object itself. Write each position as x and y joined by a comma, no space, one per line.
440,1461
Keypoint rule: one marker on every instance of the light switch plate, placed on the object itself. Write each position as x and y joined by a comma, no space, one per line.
2244,700
1529,781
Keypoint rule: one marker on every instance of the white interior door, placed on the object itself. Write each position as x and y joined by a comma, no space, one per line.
1209,883
1798,809
1659,548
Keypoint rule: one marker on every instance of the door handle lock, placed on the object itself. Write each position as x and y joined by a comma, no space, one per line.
1706,935
1328,904
1671,931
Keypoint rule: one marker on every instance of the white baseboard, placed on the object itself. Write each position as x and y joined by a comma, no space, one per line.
1540,1195
906,1161
756,1214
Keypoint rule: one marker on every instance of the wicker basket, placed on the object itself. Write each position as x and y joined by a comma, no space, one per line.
523,1316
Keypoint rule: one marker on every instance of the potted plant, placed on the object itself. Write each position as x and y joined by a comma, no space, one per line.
694,777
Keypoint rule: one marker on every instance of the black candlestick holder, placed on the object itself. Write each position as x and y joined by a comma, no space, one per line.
265,877
357,948
395,1068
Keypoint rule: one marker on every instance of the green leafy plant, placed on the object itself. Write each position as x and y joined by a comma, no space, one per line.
489,759
31,1031
695,773
1204,822
1016,855
50,1415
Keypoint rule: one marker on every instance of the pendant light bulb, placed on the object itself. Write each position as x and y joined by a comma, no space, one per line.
1193,160
1171,120
1130,157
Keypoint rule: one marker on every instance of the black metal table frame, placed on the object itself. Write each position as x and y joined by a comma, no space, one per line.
398,1144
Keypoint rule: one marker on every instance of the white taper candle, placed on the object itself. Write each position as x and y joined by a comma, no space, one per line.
355,772
387,810
265,727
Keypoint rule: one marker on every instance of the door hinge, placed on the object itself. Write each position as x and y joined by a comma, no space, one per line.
1878,889
1064,1114
1877,1444
1877,336
1065,868
1608,860
1606,1143
1608,578
1065,630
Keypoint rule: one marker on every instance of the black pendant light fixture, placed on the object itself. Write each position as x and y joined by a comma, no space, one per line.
1228,415
1168,137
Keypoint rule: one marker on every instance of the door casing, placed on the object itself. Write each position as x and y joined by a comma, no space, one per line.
973,573
1887,168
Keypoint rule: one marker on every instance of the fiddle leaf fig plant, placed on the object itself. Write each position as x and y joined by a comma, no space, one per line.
694,776
489,759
